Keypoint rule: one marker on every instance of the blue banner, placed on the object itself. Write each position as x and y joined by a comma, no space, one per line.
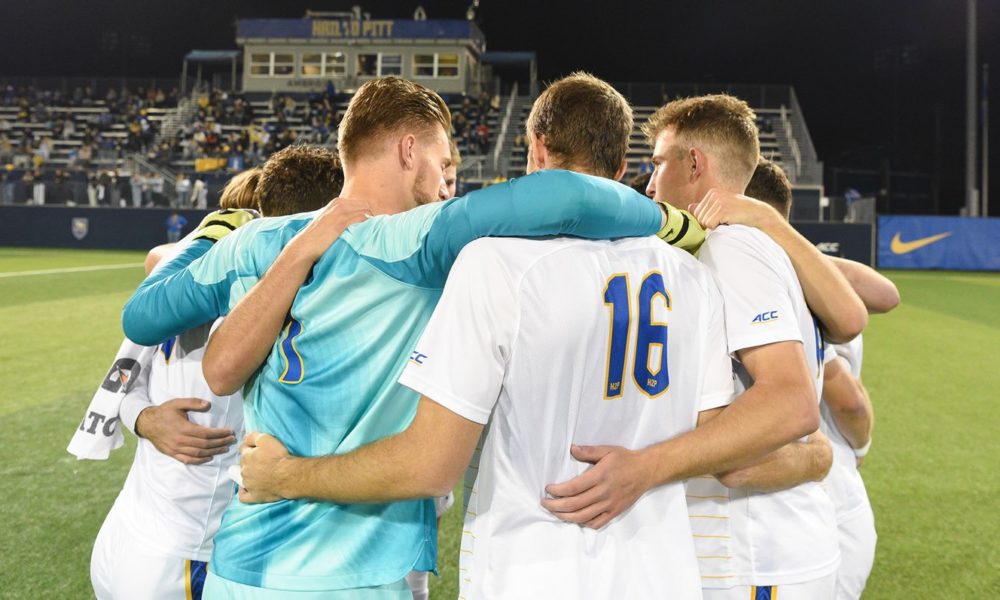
959,243
370,29
85,227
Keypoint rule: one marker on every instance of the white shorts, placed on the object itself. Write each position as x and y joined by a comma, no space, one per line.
122,568
818,589
419,584
217,588
857,539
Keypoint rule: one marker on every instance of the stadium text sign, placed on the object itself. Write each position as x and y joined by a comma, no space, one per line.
378,29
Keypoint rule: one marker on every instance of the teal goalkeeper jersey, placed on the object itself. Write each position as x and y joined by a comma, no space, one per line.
329,383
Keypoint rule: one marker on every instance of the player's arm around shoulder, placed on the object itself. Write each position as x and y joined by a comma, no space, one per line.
877,291
550,202
795,463
827,291
755,437
242,341
190,289
425,460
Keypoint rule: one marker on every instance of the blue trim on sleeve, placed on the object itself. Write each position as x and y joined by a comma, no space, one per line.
550,202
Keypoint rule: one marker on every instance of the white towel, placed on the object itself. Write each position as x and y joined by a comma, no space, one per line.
100,431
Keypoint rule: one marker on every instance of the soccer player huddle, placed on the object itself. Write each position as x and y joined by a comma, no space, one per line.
640,409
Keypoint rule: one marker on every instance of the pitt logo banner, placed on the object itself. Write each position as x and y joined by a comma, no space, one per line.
960,243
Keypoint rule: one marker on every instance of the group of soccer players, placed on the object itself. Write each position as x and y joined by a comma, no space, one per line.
632,421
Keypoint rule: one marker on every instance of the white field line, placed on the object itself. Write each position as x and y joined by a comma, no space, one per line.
70,270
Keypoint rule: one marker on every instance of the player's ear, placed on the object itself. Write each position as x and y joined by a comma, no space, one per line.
407,151
538,151
621,170
699,164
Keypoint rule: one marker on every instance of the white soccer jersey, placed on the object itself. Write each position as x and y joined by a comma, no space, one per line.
844,483
565,341
742,537
173,508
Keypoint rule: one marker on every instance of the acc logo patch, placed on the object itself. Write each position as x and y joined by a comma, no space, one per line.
417,358
80,226
765,317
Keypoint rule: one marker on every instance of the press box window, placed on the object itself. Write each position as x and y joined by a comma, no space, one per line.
435,65
324,65
380,65
271,64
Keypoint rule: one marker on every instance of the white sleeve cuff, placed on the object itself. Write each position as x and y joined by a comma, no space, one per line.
129,411
752,341
716,400
460,407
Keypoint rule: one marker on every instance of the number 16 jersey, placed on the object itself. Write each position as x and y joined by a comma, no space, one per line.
559,342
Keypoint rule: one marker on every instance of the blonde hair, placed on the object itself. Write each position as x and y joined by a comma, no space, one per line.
720,125
382,106
585,121
239,191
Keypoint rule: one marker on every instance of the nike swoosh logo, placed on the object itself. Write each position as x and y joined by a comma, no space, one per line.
898,246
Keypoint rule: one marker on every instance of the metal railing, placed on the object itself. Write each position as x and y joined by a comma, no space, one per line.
812,168
137,163
502,136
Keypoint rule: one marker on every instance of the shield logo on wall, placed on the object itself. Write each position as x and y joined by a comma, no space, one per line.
80,226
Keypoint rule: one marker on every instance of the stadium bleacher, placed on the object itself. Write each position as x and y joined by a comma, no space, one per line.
771,145
84,147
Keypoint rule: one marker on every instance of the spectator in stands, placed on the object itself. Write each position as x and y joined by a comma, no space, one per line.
199,193
155,183
114,189
85,155
6,185
459,124
6,148
27,181
38,188
92,190
135,182
182,190
482,136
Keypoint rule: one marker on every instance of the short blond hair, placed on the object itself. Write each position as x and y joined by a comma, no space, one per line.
456,156
720,125
240,190
585,121
382,106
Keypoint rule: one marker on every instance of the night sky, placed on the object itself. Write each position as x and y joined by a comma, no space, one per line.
863,104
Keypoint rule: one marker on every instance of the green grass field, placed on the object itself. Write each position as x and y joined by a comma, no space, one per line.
930,368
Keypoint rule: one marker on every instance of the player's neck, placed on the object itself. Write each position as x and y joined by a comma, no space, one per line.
384,191
708,183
